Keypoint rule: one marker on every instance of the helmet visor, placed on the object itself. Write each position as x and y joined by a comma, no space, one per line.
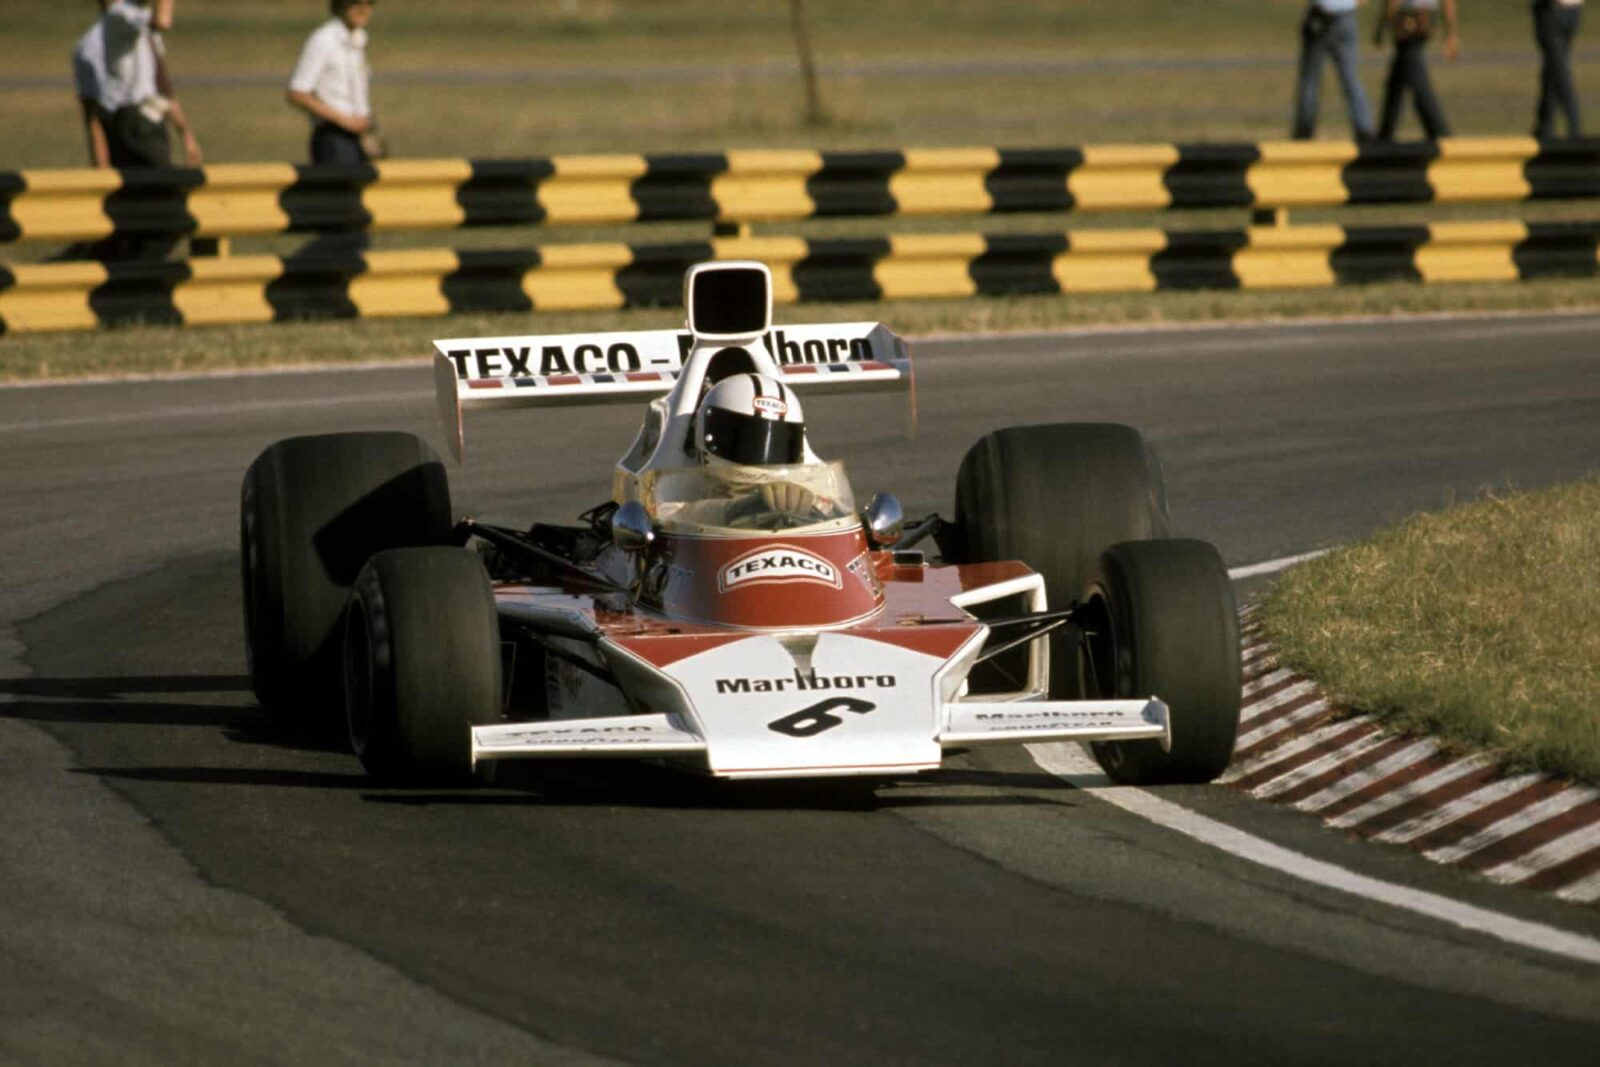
752,440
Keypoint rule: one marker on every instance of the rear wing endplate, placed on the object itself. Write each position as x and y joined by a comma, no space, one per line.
603,368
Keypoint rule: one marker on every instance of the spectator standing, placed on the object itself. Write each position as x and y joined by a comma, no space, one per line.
136,93
175,113
89,78
1555,23
1410,23
332,82
1329,28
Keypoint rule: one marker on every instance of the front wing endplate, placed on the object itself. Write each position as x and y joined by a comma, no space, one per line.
622,735
976,723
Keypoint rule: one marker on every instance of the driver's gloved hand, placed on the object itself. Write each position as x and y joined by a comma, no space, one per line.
788,497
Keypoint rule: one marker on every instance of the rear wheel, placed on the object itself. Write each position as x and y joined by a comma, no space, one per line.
312,510
1055,497
1162,621
421,663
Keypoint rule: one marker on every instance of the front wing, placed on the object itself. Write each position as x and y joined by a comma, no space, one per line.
966,724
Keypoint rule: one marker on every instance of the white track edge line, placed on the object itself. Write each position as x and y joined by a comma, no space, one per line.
1071,764
1273,566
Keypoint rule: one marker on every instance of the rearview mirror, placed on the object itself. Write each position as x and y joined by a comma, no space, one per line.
886,520
631,528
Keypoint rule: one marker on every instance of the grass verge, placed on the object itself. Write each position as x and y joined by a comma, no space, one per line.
1479,625
175,349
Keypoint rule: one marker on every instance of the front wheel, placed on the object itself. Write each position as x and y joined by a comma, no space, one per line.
312,510
1161,621
421,663
1055,496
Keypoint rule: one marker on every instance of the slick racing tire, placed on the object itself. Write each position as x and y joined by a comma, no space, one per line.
421,664
1162,621
1055,497
313,509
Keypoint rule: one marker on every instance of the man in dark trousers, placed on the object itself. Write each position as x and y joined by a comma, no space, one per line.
1329,29
1410,23
331,83
126,96
1555,24
136,92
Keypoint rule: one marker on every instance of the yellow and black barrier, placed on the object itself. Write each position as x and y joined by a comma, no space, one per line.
774,185
68,296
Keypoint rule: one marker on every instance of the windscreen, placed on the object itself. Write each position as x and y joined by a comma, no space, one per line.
805,496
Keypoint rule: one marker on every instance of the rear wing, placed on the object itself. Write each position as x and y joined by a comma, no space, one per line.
604,368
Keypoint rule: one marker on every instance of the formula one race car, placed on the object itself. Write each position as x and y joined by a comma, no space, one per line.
730,608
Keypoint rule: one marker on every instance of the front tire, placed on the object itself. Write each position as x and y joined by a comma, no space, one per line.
312,510
1055,497
421,664
1162,621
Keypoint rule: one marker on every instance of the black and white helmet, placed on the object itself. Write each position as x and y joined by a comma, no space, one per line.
751,420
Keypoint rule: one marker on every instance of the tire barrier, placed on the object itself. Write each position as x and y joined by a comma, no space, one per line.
775,185
430,282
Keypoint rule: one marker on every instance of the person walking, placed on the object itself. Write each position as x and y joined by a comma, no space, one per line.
331,83
136,92
89,79
1329,29
1410,23
1555,24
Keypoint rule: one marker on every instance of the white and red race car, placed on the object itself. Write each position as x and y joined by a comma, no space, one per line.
730,607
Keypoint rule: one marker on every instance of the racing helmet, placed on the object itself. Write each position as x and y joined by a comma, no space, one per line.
750,420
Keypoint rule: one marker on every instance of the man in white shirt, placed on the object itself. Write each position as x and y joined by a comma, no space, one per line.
136,96
88,78
331,84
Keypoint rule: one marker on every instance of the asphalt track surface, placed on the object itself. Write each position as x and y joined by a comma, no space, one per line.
181,882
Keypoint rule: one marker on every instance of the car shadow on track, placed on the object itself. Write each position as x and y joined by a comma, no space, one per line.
106,701
112,688
125,700
223,703
596,783
630,786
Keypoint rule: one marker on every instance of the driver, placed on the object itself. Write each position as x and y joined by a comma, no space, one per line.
751,421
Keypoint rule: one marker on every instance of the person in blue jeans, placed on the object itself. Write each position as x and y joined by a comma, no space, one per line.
1329,28
1555,23
1410,23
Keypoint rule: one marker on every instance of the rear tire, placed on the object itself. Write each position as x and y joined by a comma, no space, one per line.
421,664
1165,624
1055,497
312,510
